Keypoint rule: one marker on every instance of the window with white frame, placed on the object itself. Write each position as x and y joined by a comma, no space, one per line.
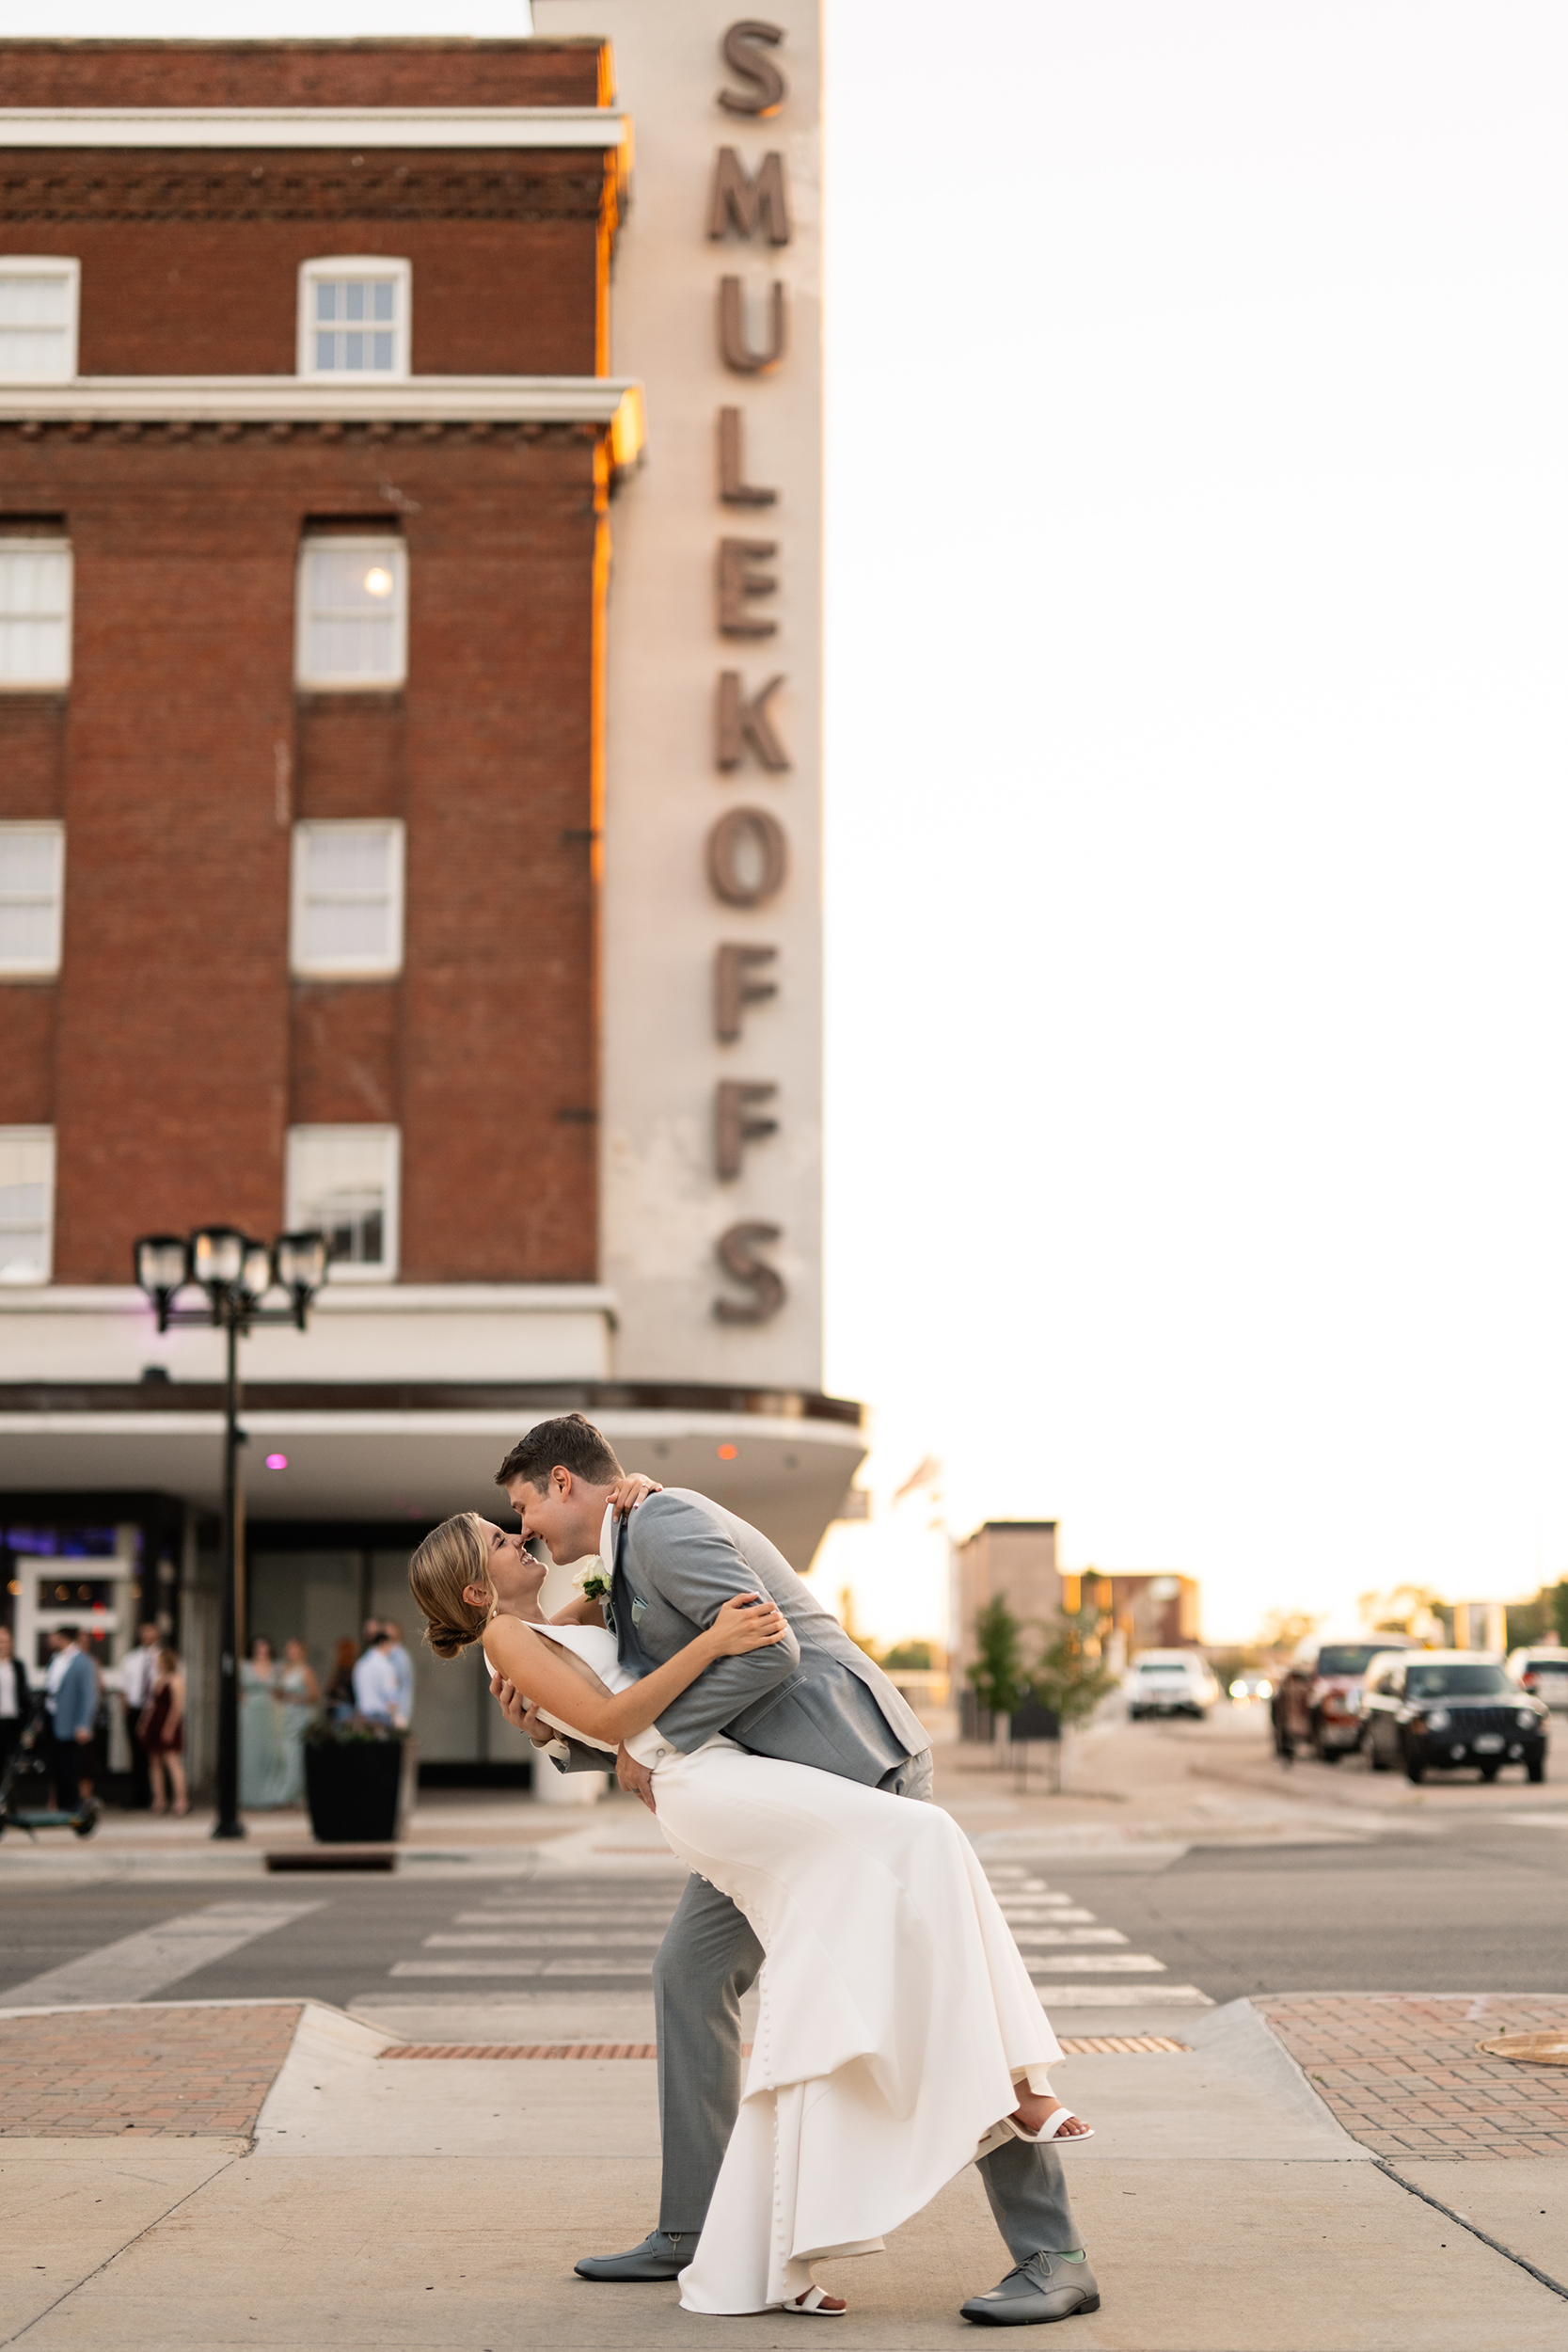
352,612
27,1203
354,316
34,613
38,295
347,914
343,1182
32,876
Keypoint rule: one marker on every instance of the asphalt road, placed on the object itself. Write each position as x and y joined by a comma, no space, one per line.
1482,1907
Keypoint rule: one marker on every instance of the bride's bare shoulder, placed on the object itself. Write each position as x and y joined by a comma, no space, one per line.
511,1637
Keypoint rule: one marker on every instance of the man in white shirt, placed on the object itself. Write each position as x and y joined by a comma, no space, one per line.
136,1676
403,1667
15,1696
376,1685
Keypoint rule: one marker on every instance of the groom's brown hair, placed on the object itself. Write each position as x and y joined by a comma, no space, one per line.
571,1442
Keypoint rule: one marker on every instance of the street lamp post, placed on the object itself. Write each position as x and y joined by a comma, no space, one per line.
236,1274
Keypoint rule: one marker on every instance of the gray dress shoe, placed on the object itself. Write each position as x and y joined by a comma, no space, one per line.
1045,2287
659,2256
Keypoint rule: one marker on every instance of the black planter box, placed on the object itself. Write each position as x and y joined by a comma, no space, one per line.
353,1789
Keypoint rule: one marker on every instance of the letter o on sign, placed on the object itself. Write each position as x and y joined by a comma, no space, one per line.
748,856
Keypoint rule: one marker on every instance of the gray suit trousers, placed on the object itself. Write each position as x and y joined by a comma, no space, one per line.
709,1959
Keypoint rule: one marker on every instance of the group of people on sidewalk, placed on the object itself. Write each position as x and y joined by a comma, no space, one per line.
151,1687
371,1682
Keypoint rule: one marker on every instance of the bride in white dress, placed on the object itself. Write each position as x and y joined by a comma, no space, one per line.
899,2033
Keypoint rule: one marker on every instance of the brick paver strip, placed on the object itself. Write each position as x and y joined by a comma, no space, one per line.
143,2074
1402,2072
1112,2046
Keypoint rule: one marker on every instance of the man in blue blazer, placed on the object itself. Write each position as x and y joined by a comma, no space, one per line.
72,1703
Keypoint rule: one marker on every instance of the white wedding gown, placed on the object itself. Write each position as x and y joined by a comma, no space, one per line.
895,2011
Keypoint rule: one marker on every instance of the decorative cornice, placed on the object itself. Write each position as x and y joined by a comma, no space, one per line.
103,185
598,127
282,402
338,1298
167,1403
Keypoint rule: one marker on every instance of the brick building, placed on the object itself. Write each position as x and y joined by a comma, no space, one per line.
312,470
1015,1561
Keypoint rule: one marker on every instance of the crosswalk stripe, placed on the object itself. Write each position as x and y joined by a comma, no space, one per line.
138,1966
1057,1996
523,1916
1068,1914
583,1966
577,1928
1095,1963
510,1939
1027,1938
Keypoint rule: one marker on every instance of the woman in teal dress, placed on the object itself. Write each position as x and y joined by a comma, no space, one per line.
263,1760
301,1696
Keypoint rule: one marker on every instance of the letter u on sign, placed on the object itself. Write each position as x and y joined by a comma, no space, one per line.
748,857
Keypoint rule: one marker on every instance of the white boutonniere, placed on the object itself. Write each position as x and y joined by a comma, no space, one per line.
592,1580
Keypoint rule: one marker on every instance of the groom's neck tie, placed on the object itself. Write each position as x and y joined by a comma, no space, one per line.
622,1622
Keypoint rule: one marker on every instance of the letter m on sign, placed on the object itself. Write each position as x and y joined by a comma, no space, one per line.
740,201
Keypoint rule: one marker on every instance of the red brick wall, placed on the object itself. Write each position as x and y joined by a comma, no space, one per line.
190,262
32,738
28,1055
179,1050
344,1053
303,72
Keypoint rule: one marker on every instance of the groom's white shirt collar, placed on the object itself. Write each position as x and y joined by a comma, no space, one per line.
607,1537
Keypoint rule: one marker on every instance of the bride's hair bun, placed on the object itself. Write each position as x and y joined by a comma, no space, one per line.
452,1556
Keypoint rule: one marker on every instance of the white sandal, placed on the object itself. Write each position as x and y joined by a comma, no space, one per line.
813,2305
1049,2129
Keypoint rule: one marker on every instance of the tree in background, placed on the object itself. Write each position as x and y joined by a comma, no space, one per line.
909,1658
1531,1622
1282,1629
1414,1610
997,1676
1070,1674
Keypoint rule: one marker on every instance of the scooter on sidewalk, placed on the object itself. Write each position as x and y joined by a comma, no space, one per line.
83,1821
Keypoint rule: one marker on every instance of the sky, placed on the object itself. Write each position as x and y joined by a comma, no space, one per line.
1196,760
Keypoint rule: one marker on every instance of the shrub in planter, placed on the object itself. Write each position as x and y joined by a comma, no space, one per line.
354,1779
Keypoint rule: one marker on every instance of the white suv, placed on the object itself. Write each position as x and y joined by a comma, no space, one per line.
1544,1672
1170,1682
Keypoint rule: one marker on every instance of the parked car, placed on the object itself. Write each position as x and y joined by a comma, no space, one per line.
1450,1708
1170,1682
1318,1698
1252,1687
1544,1674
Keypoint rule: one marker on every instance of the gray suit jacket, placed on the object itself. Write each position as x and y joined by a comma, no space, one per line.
814,1698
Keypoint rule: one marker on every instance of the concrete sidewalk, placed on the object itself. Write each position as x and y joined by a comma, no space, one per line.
440,2203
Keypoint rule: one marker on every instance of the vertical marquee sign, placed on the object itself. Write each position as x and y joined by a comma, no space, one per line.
711,912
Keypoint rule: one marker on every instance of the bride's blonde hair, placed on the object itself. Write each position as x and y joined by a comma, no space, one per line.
452,1556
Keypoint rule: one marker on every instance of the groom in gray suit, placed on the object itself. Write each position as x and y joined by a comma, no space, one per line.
814,1698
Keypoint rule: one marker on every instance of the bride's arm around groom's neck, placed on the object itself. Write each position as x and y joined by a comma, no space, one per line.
683,1558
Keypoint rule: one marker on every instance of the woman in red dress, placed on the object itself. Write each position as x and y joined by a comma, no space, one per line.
161,1729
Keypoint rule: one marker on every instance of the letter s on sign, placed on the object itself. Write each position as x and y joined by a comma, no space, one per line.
737,1250
744,45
